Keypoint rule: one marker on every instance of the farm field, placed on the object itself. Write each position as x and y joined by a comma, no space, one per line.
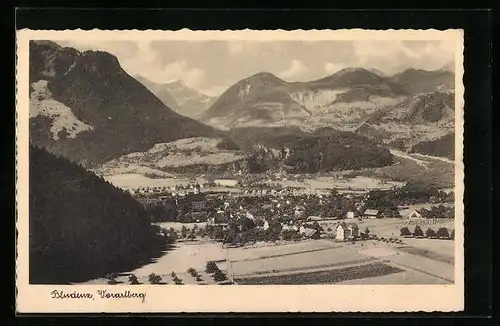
442,247
307,262
297,261
137,180
178,225
405,277
266,250
330,182
326,276
360,263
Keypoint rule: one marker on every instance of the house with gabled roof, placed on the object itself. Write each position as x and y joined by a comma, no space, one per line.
410,213
345,231
371,213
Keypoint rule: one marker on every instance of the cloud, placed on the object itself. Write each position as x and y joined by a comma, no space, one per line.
394,56
144,46
180,70
207,65
235,47
243,47
295,69
331,68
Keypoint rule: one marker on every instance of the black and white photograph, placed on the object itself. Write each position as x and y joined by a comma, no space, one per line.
251,161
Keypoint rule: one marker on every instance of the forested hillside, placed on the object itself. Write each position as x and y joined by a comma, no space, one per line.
324,149
81,227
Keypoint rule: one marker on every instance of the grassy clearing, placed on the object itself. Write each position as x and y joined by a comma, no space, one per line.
442,247
428,254
432,267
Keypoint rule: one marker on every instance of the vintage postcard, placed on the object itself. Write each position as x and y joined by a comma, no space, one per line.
240,171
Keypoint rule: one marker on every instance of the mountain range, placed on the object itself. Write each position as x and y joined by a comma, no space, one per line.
84,106
343,100
400,111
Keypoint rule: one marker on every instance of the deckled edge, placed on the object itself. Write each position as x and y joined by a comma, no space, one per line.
301,34
462,107
245,30
16,173
463,90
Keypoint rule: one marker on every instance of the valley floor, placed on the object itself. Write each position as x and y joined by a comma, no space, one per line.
323,261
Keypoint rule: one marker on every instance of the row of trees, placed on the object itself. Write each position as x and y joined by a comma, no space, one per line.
410,194
217,274
442,233
195,274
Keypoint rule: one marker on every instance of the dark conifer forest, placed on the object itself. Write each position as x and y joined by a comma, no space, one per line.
82,227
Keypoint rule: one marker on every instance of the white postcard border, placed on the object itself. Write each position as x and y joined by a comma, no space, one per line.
264,298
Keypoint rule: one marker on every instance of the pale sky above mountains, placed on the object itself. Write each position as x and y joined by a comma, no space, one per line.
213,66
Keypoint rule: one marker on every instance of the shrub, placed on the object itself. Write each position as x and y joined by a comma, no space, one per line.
211,267
133,279
418,232
173,275
112,278
452,234
219,276
154,279
443,233
405,232
430,233
191,271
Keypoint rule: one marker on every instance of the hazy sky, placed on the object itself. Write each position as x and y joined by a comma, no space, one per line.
213,66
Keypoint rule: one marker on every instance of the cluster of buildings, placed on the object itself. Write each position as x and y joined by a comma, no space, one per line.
196,202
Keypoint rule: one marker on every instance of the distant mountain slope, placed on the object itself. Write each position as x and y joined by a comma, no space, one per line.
266,100
179,97
81,227
160,91
84,106
425,108
180,155
443,147
191,102
421,117
417,81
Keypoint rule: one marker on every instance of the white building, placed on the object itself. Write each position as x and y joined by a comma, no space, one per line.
346,231
226,182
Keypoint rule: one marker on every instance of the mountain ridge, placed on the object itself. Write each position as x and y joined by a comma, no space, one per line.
123,114
270,99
